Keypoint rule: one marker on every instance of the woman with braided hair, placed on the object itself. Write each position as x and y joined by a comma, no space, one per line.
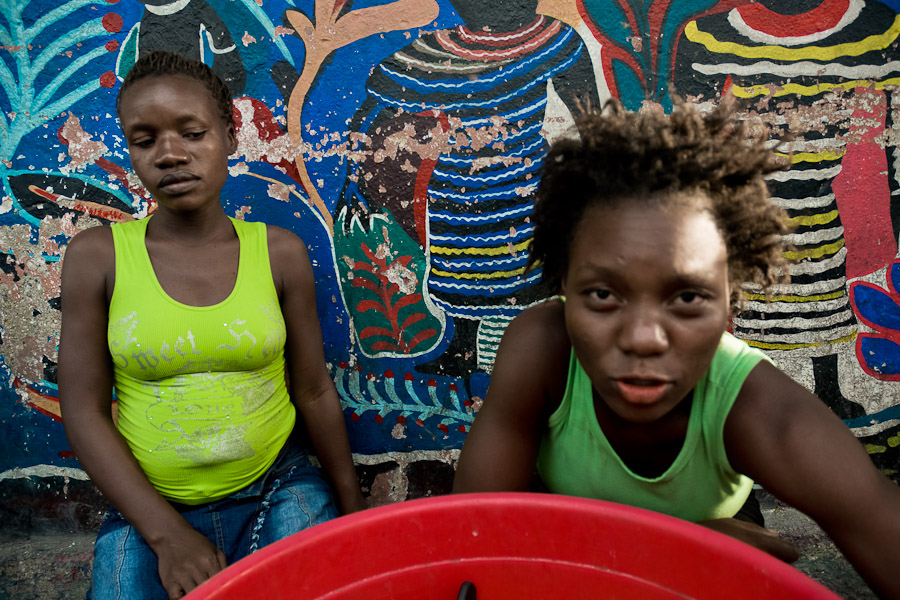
196,319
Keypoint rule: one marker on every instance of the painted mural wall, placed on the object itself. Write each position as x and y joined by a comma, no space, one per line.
403,142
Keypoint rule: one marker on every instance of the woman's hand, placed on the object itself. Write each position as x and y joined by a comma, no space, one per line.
758,537
186,559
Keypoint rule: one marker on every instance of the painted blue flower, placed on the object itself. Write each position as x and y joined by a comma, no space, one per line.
879,352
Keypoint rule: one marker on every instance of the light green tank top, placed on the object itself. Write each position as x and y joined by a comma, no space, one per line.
202,400
576,459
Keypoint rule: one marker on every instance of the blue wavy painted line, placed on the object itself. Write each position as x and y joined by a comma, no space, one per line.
481,240
522,193
535,146
481,218
479,289
533,111
483,178
474,264
477,312
445,106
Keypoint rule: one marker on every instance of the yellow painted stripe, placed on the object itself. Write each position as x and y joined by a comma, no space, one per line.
814,252
810,220
776,91
773,346
785,298
820,53
813,157
45,404
484,275
875,449
494,251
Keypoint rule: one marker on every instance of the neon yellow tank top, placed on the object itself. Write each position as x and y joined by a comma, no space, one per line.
575,457
201,391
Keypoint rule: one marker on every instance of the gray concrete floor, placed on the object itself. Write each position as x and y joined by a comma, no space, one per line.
55,565
48,565
820,559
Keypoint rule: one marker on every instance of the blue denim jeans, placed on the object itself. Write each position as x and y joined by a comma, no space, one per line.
290,497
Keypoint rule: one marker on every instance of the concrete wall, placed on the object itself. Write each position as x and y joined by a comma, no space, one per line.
402,141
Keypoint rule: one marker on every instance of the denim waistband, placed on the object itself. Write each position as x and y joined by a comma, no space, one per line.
291,456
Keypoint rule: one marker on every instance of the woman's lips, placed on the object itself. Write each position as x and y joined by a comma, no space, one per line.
177,184
642,391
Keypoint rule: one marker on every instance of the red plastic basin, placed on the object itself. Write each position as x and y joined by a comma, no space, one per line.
510,546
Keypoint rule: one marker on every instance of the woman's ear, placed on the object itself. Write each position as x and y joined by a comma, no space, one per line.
232,138
734,301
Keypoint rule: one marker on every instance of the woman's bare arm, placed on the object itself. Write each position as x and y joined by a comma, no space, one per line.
788,441
312,389
527,383
186,558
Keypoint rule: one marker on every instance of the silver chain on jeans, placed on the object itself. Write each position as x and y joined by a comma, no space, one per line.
264,510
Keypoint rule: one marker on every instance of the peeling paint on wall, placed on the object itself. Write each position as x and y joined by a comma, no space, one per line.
29,292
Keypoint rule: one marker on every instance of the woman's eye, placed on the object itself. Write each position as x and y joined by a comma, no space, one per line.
143,143
599,297
689,298
193,135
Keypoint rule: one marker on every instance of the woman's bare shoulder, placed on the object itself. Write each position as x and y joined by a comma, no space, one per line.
542,326
95,239
534,352
89,269
91,247
281,239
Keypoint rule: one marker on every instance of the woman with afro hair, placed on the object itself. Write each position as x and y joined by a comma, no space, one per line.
627,387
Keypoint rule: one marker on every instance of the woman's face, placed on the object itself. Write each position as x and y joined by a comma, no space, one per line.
647,301
178,142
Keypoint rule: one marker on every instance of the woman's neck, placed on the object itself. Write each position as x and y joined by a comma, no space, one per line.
197,228
647,449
